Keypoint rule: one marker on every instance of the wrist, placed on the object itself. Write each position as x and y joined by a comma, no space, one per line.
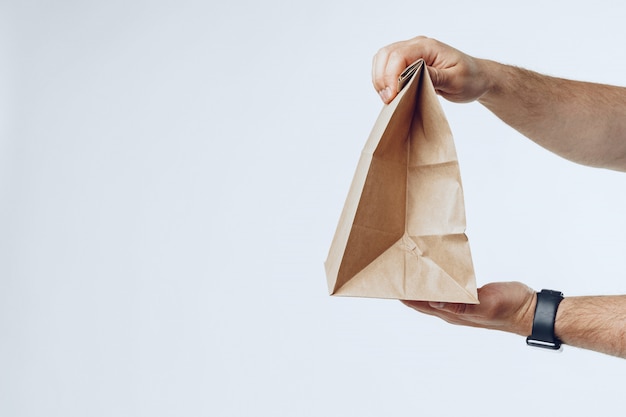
524,325
491,75
561,318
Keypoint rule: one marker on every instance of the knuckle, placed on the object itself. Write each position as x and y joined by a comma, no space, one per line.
417,39
420,40
384,51
395,55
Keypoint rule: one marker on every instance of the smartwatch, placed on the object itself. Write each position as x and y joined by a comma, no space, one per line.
543,323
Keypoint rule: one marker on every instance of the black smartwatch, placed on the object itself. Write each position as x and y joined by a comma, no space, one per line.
543,324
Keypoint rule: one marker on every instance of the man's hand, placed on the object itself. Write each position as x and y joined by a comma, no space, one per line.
507,306
456,76
582,122
593,322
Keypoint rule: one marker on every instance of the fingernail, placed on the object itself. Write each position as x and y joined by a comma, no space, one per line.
437,305
385,94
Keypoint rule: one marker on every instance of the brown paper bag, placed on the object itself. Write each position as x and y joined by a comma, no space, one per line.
401,234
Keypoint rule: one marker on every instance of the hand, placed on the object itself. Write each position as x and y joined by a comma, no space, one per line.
507,306
456,76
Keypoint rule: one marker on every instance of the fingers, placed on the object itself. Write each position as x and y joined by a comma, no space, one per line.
453,313
379,65
387,66
456,76
390,61
507,306
421,306
437,308
454,308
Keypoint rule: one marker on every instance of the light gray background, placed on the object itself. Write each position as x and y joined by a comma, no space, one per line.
171,176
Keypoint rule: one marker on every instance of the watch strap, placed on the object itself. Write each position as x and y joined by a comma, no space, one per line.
543,322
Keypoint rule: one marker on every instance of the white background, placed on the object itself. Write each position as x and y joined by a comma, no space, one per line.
171,176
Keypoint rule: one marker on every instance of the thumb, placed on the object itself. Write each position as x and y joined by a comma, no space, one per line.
437,76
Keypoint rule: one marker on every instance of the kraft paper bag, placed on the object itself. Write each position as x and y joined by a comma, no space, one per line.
401,234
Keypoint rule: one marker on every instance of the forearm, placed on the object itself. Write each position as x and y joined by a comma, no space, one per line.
595,323
583,122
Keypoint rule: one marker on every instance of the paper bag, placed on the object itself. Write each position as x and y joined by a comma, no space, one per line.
401,234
